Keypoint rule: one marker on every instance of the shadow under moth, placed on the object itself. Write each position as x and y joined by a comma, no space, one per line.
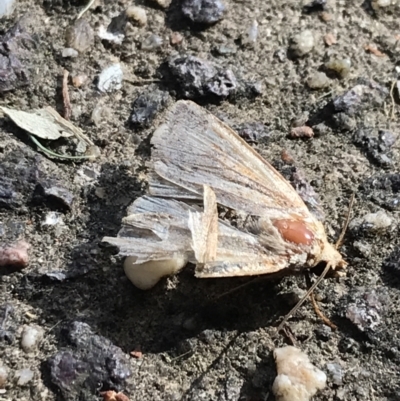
198,163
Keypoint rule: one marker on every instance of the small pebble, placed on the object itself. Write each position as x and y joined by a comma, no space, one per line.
146,107
335,372
341,67
151,42
116,37
31,338
302,43
52,219
3,376
373,222
79,80
163,3
110,78
137,14
69,52
318,80
377,4
80,36
206,12
100,113
14,255
175,38
298,379
23,377
251,35
330,39
301,132
7,7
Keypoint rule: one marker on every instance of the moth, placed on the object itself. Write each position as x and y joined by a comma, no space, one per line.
198,163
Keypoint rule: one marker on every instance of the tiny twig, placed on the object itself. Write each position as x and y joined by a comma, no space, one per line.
51,153
65,96
85,9
392,116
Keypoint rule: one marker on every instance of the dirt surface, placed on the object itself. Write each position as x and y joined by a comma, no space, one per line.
196,344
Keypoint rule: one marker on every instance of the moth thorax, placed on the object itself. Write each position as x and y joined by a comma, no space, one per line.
294,231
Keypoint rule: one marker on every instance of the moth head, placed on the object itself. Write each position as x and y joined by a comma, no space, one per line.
332,256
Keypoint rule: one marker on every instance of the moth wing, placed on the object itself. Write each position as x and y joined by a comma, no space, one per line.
155,229
193,148
204,228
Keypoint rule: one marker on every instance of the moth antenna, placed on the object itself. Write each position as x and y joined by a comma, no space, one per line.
320,313
346,224
301,302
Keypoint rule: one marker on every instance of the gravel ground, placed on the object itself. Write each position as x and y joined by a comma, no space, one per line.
72,324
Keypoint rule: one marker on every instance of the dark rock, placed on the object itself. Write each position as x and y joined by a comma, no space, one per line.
146,107
80,36
315,6
205,12
18,177
222,84
6,335
195,77
13,52
55,192
365,309
383,190
91,363
376,146
253,132
340,112
392,264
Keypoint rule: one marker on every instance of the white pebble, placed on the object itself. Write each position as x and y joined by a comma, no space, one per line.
302,43
147,275
163,3
7,7
110,78
69,52
298,379
378,221
3,376
112,37
23,377
137,14
31,337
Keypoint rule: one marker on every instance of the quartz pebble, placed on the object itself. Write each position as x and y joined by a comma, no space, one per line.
3,376
298,379
151,42
69,52
341,67
163,3
302,43
80,36
335,372
110,78
23,376
7,7
317,80
206,12
373,222
137,14
31,337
